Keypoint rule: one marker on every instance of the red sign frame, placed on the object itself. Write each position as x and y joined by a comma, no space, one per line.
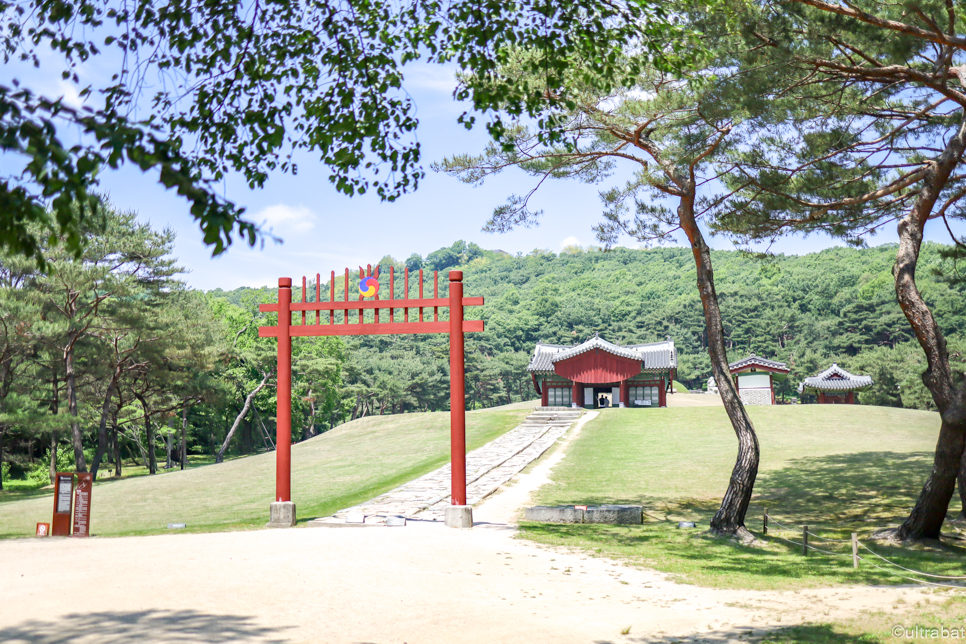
456,326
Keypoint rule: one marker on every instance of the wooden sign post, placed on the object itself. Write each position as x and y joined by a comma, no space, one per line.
63,502
339,322
82,505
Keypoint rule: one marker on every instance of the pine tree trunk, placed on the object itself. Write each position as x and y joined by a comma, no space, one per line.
102,426
54,408
220,456
76,438
961,484
184,436
117,449
927,516
730,517
169,437
151,458
310,430
3,431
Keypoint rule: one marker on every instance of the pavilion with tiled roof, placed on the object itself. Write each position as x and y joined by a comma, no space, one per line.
755,378
835,385
599,373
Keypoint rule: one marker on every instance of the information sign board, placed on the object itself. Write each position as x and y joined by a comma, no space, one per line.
43,529
82,505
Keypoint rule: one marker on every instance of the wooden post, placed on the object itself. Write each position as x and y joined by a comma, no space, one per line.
764,523
283,430
855,550
457,392
805,541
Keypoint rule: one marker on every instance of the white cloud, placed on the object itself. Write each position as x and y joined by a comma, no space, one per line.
570,241
434,78
280,216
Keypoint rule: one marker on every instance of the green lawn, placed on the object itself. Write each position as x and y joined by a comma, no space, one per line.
345,466
837,469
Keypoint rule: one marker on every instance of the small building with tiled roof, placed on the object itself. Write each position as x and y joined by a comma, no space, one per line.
755,378
835,385
598,373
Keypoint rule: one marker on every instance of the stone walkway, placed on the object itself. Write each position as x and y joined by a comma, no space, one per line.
487,468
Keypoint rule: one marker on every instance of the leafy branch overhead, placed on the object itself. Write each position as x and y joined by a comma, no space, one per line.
197,91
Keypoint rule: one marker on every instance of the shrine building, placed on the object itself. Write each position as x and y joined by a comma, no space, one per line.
755,379
598,373
835,385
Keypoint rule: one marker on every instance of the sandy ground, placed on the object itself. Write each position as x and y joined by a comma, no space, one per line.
420,583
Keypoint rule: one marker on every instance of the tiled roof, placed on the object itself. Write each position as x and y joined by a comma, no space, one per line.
761,362
654,356
835,378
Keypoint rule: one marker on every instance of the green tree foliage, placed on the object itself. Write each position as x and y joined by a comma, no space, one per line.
193,91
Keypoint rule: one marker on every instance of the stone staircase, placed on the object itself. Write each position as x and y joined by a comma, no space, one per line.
487,468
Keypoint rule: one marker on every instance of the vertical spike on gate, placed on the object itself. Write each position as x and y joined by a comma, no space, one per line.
304,283
362,275
376,296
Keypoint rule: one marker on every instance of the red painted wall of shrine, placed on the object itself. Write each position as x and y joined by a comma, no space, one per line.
594,367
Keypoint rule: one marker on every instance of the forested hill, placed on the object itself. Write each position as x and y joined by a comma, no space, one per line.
835,305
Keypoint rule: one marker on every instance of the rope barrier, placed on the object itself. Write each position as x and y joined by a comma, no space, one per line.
869,562
924,574
918,581
829,539
811,547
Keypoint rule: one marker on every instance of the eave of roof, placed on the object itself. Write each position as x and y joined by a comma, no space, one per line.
826,381
753,360
655,356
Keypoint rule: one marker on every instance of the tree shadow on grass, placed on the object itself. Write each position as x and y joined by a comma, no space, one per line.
848,490
833,495
142,626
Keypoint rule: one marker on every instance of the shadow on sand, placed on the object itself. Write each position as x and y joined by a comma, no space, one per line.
112,627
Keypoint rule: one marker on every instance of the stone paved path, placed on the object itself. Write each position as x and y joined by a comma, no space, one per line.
487,468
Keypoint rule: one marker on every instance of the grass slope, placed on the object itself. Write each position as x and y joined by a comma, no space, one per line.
837,469
344,466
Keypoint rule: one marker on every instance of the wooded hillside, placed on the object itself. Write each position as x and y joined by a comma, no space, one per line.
112,361
836,305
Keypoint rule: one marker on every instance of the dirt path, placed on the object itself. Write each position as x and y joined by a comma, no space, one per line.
420,583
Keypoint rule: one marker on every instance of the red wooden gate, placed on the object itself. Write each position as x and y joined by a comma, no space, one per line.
338,322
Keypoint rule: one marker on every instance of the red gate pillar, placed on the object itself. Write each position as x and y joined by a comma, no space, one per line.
457,390
458,515
283,510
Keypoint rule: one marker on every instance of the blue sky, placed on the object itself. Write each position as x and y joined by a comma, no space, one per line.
324,230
